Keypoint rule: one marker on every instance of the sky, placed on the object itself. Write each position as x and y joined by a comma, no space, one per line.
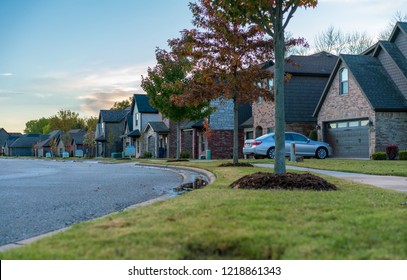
83,55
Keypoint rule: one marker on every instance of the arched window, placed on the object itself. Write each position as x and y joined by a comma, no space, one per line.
343,81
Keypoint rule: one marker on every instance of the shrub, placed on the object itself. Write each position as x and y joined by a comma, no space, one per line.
147,155
379,156
392,151
403,155
313,135
184,154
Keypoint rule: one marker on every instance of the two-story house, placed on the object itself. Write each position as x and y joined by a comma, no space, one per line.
141,113
307,78
364,105
110,127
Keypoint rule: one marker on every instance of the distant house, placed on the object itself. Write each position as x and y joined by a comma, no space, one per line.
3,138
156,139
24,145
364,105
77,137
141,113
110,127
308,78
46,142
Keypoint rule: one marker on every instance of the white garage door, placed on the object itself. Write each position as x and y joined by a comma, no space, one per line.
349,139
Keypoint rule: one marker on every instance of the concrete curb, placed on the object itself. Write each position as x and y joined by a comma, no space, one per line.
210,176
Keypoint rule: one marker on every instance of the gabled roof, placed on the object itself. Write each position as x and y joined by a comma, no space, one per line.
159,127
28,140
112,116
377,85
320,63
143,104
399,27
395,53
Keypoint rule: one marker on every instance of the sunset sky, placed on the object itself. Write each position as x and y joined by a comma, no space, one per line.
83,55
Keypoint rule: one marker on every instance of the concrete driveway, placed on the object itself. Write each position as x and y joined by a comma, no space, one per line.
384,182
39,196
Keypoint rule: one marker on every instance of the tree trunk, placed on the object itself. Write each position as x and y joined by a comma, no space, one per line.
279,167
178,139
235,131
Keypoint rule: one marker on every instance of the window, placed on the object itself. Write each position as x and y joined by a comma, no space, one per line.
299,138
343,81
270,84
136,120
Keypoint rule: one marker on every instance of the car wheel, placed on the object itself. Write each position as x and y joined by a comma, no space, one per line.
321,153
270,153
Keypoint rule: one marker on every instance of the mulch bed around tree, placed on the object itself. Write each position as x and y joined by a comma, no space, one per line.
288,181
240,164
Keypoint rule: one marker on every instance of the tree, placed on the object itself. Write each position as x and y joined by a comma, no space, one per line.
89,142
36,126
122,105
272,16
385,34
91,123
163,82
66,120
336,42
227,57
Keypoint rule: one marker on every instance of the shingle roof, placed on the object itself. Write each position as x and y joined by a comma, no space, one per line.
396,55
376,83
28,140
113,116
320,63
159,127
143,104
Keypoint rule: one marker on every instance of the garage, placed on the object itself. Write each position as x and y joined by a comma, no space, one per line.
349,139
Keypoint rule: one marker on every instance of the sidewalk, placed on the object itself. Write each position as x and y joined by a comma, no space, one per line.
384,182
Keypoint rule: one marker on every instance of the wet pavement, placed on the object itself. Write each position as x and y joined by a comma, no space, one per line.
39,196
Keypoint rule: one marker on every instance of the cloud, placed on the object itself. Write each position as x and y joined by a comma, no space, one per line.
6,74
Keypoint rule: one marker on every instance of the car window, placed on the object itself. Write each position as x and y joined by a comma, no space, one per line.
266,136
299,138
288,137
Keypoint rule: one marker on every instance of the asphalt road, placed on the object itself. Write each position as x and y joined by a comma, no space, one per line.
38,196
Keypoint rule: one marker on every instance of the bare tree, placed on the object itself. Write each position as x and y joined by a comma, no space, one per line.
385,34
336,42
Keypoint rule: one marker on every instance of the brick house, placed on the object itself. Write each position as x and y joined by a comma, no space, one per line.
309,75
364,105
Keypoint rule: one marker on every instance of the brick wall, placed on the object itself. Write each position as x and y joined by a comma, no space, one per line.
221,144
263,116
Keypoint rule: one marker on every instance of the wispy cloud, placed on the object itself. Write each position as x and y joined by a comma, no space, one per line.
6,74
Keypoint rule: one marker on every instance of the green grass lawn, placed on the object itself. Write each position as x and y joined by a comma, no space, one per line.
374,167
216,222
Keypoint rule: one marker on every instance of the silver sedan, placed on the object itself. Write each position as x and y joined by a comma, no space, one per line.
264,146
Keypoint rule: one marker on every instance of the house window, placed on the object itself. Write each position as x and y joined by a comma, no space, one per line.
270,84
343,81
136,120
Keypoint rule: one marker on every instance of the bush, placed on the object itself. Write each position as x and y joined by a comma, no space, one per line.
392,151
379,156
403,155
184,155
147,155
313,135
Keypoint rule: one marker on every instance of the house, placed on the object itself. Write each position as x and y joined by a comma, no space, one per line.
308,76
364,105
77,137
156,137
110,127
24,145
50,143
141,113
3,138
218,137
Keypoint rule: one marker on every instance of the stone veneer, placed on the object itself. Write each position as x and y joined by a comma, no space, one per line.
390,128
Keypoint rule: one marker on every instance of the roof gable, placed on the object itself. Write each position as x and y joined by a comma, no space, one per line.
377,85
142,101
399,27
112,116
159,127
